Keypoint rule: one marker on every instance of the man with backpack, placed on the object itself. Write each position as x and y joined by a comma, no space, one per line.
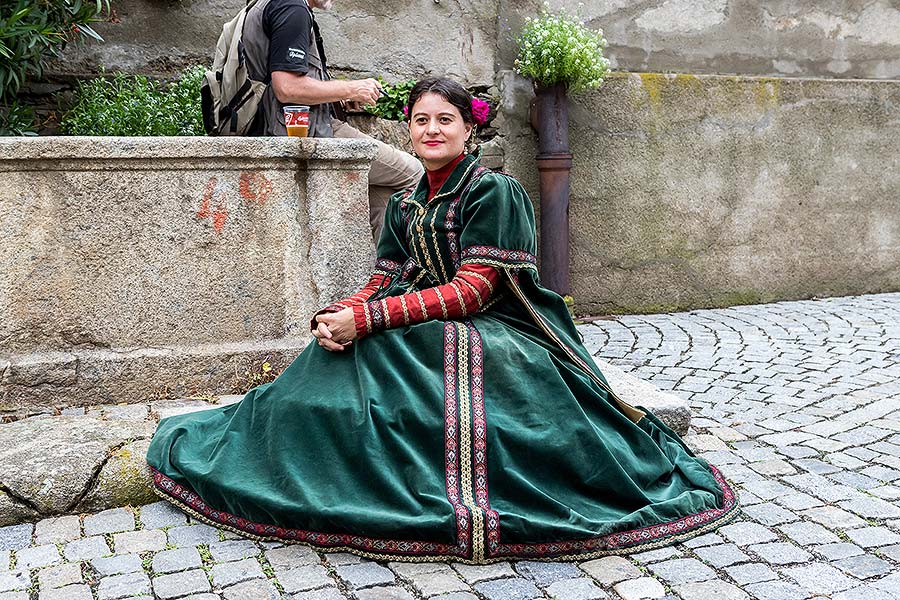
278,45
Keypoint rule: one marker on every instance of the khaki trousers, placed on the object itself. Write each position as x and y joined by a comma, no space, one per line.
391,171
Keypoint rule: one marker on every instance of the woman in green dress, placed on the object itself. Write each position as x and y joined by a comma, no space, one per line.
447,411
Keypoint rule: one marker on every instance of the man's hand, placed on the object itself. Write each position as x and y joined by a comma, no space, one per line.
366,91
335,330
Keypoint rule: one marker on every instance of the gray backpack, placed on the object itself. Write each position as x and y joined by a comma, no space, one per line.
229,98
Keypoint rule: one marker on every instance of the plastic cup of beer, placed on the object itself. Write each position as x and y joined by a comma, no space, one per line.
296,120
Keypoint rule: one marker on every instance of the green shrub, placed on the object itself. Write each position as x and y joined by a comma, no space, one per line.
133,105
32,32
559,48
390,106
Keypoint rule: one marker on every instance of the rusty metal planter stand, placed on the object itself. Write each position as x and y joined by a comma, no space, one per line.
550,118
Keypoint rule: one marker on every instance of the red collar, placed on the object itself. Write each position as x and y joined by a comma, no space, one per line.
438,177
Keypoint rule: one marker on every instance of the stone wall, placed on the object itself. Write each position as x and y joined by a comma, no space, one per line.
470,40
695,191
133,268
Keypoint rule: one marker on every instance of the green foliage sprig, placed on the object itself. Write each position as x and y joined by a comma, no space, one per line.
390,106
31,33
133,105
559,48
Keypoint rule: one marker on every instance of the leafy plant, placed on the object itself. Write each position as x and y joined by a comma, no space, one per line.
561,49
133,105
31,33
16,119
390,106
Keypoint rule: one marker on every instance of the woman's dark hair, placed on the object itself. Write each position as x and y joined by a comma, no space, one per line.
447,89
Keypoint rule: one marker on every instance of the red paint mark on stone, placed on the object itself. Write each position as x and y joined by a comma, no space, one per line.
255,187
352,176
220,213
219,217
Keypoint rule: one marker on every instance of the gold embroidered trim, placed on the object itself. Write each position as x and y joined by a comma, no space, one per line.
387,315
368,317
462,303
443,306
481,260
466,443
425,316
474,291
480,277
446,278
443,558
405,310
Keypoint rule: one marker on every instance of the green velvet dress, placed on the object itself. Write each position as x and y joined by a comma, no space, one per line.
488,438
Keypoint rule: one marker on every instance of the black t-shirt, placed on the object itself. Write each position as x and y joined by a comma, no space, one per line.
288,25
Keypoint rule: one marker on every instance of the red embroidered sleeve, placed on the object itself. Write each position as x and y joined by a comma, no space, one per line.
465,294
377,280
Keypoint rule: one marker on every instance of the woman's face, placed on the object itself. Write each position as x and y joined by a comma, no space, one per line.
437,130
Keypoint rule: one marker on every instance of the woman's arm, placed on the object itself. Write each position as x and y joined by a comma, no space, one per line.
465,294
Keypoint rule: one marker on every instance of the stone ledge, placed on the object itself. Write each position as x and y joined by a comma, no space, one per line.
669,408
92,459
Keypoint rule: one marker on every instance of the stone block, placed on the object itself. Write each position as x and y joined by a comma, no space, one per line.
545,573
86,549
113,520
181,559
384,593
57,529
255,589
302,579
682,570
669,408
581,588
123,586
161,514
124,479
640,589
611,569
478,573
117,565
233,550
180,584
508,589
70,592
59,576
37,557
143,540
365,574
193,535
288,557
438,582
230,573
15,537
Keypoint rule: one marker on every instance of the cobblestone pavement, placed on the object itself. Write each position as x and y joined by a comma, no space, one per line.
798,403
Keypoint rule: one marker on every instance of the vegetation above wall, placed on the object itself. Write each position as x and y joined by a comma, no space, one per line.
31,33
131,105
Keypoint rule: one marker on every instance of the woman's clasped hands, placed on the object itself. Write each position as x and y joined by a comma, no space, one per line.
335,331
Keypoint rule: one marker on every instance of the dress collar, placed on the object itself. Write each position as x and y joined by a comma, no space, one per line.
451,186
437,177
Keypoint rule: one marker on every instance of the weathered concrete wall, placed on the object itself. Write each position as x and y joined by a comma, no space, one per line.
137,267
394,38
468,40
695,191
805,38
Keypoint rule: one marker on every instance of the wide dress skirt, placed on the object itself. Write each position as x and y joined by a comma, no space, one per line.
474,441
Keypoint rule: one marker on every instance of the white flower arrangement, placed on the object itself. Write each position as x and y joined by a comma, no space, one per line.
559,48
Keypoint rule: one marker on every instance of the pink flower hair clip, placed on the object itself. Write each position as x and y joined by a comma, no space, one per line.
480,111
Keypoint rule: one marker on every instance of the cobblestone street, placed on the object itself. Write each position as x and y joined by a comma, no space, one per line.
798,403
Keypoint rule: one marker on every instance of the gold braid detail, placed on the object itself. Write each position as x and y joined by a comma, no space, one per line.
387,315
462,304
475,291
425,316
481,277
405,310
